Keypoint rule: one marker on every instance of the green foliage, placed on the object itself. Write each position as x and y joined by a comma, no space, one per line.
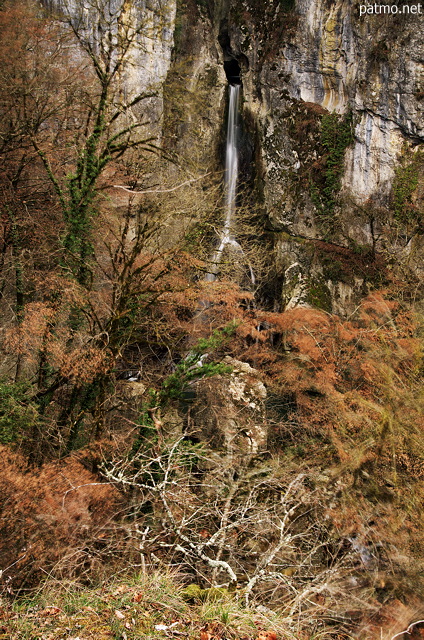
18,415
405,182
84,400
107,135
79,194
131,606
175,386
319,295
193,593
189,455
194,367
187,371
196,235
336,136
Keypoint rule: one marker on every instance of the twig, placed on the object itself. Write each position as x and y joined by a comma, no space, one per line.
87,484
408,630
2,571
182,184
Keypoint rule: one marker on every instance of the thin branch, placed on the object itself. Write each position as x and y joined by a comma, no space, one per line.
408,630
50,174
2,571
179,186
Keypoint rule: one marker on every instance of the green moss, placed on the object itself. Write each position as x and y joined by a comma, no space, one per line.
179,25
306,244
319,295
193,593
405,183
196,235
210,78
334,269
336,136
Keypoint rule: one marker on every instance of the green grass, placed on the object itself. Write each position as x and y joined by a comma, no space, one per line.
129,608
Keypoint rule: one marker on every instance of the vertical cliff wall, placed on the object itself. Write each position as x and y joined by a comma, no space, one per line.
333,105
149,56
336,102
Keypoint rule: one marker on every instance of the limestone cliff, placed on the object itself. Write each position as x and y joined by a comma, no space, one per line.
332,111
149,55
334,105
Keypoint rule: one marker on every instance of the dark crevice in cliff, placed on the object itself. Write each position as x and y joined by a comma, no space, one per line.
232,71
235,62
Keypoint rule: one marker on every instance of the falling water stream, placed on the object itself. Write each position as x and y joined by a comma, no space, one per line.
230,180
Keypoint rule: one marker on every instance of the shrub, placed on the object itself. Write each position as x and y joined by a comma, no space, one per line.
405,183
336,136
194,365
18,415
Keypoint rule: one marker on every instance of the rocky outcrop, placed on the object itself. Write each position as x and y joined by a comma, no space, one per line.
308,60
370,65
229,410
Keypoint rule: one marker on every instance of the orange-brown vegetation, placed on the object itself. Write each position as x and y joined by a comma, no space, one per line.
46,514
98,474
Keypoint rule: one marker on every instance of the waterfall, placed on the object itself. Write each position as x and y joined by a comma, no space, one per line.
230,181
231,157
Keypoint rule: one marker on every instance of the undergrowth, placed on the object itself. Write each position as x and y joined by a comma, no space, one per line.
139,606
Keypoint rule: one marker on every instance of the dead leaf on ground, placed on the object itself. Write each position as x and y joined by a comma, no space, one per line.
267,635
50,611
211,631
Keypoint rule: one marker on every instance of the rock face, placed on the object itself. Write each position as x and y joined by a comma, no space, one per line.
229,410
334,102
333,118
149,56
331,57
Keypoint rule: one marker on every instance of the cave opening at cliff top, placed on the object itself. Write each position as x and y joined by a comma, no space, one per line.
232,71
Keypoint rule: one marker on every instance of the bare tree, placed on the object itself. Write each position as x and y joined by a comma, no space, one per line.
109,122
252,527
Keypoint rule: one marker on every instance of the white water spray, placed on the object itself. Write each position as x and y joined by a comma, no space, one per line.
230,178
231,155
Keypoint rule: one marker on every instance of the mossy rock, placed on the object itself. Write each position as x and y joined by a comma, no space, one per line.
408,211
319,296
193,593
